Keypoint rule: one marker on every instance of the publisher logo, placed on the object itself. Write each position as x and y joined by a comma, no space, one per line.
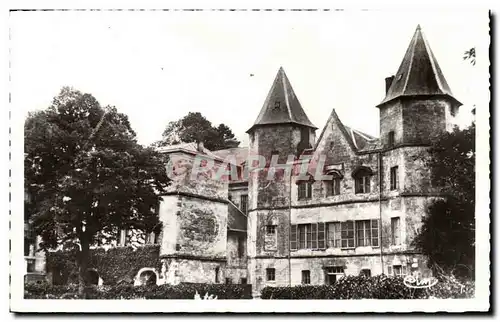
416,281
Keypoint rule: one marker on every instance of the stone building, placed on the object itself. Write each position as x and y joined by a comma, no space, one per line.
293,230
363,219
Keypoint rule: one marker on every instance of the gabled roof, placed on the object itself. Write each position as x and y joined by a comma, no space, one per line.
419,72
282,105
357,140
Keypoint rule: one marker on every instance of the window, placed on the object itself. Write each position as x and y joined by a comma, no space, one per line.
394,178
244,204
270,274
334,235
332,274
362,180
398,270
306,277
217,275
362,184
307,236
365,272
276,105
243,280
228,280
390,138
270,229
241,246
270,239
395,231
302,236
333,187
367,233
305,190
347,234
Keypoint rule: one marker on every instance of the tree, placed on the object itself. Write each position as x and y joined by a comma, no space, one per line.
447,235
470,55
87,175
194,127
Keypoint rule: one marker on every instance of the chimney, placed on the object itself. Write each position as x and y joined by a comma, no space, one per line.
200,146
388,83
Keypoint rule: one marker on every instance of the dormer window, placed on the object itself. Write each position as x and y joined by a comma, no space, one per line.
390,139
276,105
362,180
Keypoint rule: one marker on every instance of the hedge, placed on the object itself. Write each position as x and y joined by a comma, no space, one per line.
181,291
113,265
375,287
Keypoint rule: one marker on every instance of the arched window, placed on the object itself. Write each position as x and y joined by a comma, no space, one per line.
362,178
332,187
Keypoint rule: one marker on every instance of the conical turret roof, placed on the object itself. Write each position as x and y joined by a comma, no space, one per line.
282,105
419,72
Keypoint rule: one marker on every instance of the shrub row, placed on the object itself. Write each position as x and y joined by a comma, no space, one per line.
113,265
181,291
375,287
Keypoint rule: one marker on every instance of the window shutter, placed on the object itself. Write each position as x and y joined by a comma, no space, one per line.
314,231
336,187
321,235
397,178
293,237
375,234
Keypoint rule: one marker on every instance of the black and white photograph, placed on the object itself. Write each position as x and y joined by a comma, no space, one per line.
164,158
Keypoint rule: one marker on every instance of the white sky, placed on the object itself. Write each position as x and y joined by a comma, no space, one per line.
157,66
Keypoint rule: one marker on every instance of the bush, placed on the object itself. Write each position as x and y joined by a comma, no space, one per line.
113,265
181,291
376,287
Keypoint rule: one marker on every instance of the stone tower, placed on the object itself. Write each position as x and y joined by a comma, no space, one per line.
418,104
282,128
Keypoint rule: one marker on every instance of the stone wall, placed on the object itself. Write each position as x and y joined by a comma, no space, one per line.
198,271
391,119
424,119
202,227
233,257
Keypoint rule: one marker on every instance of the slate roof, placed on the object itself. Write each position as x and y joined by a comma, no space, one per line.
282,105
419,72
361,140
